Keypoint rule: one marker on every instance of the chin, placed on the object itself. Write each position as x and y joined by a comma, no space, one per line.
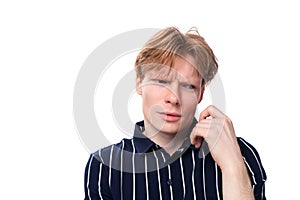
170,128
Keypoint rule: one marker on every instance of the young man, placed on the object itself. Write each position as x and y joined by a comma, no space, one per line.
172,155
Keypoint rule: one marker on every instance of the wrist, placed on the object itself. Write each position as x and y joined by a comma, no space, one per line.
232,168
236,182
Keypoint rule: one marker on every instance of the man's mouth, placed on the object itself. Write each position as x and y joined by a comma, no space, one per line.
170,116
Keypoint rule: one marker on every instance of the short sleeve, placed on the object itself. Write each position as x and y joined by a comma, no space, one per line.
255,168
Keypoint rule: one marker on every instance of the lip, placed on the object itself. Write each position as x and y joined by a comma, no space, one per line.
170,116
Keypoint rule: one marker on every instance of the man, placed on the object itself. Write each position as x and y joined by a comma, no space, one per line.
172,155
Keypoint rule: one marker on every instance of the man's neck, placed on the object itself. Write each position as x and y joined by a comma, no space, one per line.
168,141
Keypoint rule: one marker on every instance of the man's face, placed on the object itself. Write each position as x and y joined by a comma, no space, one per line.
170,97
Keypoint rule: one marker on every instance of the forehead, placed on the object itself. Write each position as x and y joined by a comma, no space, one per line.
180,68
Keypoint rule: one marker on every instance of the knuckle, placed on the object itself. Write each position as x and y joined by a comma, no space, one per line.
211,108
228,120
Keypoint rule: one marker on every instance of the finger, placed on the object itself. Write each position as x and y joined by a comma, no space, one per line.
210,111
204,121
198,133
197,141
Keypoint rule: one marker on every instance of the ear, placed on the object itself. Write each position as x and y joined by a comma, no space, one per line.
138,86
201,93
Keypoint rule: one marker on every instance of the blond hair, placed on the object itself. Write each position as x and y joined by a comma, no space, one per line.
164,46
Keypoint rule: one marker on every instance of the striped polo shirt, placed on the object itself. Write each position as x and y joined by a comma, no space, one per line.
139,169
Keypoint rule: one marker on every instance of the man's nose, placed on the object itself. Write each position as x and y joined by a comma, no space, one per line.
172,95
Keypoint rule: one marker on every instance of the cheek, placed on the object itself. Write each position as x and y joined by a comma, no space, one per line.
150,97
191,97
189,104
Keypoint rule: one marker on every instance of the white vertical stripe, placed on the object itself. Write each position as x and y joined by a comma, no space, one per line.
88,177
169,176
133,170
171,188
121,172
262,191
163,156
260,168
255,159
193,175
158,175
217,181
100,156
99,182
110,164
146,178
248,166
203,172
182,176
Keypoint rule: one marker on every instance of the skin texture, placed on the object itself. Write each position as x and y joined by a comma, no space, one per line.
169,102
217,130
170,98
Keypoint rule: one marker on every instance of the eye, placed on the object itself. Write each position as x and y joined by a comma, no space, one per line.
188,86
160,81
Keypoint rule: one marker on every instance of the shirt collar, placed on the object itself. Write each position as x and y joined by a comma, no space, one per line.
143,144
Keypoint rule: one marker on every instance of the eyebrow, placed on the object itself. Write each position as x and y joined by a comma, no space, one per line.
169,75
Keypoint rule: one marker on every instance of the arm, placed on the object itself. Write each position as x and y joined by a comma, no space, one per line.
217,130
236,183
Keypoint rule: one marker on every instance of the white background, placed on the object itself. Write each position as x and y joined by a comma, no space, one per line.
44,43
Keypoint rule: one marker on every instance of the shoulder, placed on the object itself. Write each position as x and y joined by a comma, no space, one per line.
107,154
247,149
251,156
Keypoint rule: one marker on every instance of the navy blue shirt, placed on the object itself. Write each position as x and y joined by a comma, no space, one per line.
137,168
